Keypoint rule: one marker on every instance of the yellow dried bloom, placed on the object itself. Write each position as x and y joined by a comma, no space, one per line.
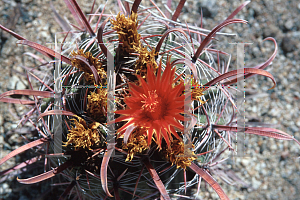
197,91
127,31
137,143
180,154
130,39
97,103
83,136
145,58
88,74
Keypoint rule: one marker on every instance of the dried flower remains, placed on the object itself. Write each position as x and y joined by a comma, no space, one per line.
83,136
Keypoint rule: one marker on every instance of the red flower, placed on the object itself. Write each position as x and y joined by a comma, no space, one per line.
155,105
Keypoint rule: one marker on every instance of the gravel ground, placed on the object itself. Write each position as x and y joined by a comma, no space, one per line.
270,167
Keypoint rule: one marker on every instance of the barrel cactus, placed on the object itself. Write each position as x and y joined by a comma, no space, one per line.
138,106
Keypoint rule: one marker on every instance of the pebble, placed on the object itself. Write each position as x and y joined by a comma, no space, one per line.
294,128
208,8
296,34
1,120
265,186
289,24
15,83
4,187
287,45
246,162
255,183
273,147
298,123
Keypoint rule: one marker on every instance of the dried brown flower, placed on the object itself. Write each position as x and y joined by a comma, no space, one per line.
145,57
180,154
197,91
127,31
88,74
83,136
97,103
137,143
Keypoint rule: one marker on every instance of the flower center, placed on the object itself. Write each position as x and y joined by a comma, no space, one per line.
150,102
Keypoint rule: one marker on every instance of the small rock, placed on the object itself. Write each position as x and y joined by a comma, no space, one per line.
15,83
296,34
265,186
13,139
298,123
208,8
294,128
287,45
284,155
254,109
273,147
5,188
289,24
245,162
1,120
1,139
255,183
271,31
288,106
